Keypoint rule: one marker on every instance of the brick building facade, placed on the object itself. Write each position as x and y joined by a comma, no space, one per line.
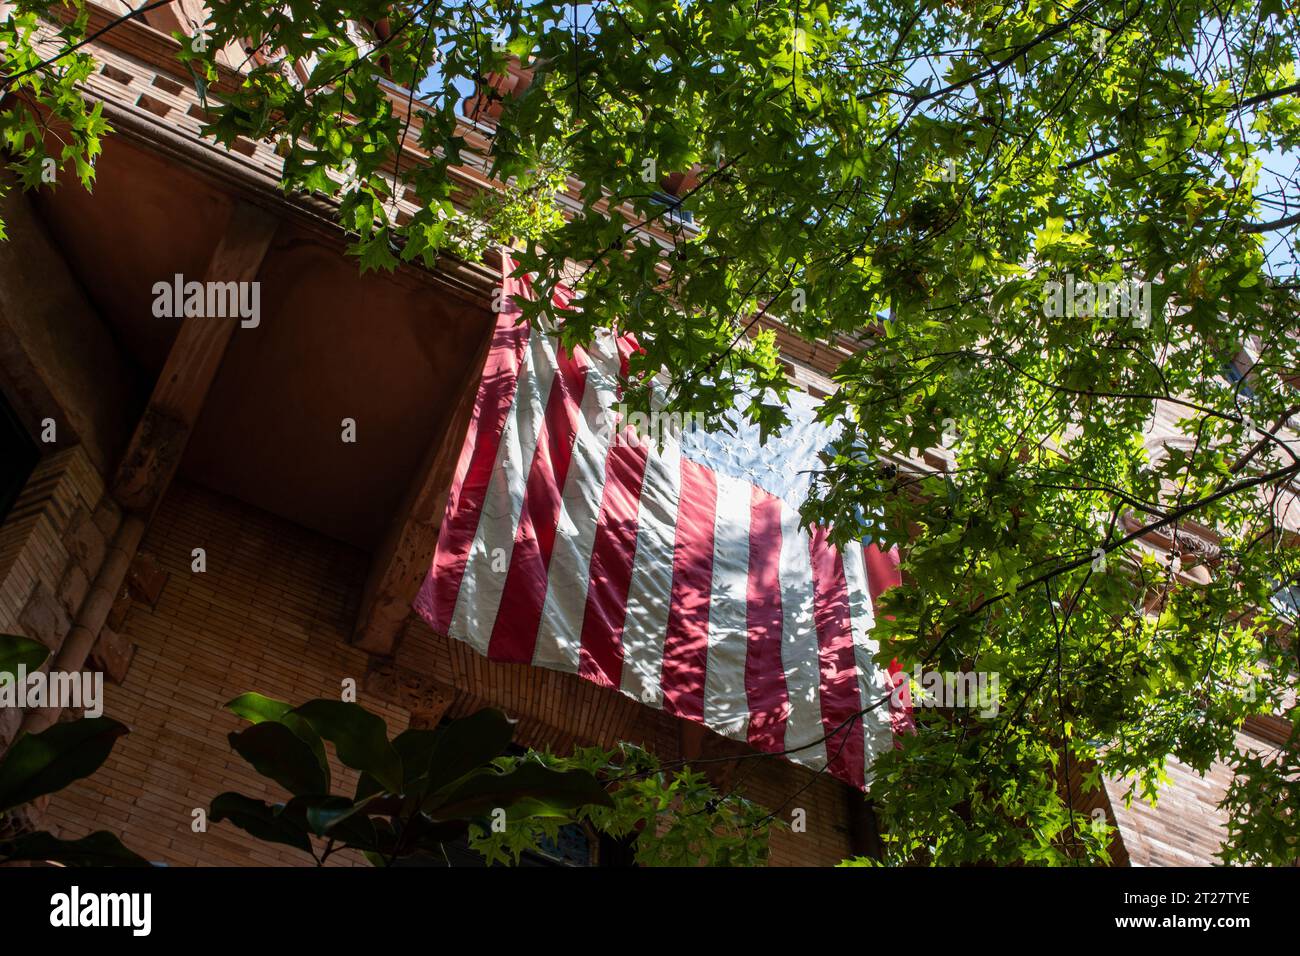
155,437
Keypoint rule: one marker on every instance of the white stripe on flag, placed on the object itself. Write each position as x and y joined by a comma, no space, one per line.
877,732
480,589
799,648
650,590
559,635
726,707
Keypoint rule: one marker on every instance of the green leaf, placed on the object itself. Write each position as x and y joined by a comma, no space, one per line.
374,253
530,790
270,823
42,763
415,748
360,737
100,848
467,744
16,650
277,752
424,834
347,821
257,708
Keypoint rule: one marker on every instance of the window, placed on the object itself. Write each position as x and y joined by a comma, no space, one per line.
676,212
1286,601
1238,371
17,458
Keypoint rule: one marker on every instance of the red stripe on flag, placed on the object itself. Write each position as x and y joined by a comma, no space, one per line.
514,634
900,703
765,687
686,643
883,574
627,345
840,699
601,657
882,570
478,455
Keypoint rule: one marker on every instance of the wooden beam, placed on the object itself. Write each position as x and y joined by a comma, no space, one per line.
160,438
404,556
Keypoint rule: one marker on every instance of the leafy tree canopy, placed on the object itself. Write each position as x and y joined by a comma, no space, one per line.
938,181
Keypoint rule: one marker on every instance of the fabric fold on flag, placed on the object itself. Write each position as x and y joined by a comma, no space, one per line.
674,571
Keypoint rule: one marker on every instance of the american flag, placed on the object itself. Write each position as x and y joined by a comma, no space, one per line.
675,571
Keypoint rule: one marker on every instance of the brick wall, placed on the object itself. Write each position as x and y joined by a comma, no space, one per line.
51,547
1087,799
1185,826
272,613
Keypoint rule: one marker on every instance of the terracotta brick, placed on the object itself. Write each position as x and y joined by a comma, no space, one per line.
146,579
85,542
44,618
73,588
107,517
121,607
112,654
